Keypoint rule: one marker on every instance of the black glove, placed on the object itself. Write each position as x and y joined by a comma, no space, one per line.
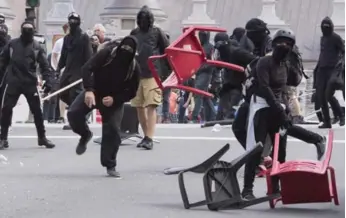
285,120
46,88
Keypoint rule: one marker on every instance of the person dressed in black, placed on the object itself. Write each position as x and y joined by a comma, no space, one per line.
19,60
4,39
231,91
203,79
110,78
332,47
76,51
270,103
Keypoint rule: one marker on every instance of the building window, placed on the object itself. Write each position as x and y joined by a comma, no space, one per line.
127,24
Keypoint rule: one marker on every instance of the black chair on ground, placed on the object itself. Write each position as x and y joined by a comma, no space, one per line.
221,187
201,168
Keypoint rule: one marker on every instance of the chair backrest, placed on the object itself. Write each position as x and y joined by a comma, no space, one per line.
321,166
186,54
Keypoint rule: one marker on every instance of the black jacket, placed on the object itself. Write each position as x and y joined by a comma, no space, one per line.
204,38
332,47
151,42
104,80
271,82
76,51
21,60
231,53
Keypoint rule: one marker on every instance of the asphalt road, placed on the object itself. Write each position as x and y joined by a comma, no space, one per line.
40,183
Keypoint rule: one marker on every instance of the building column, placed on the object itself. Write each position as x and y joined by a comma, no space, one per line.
119,17
199,15
338,17
269,16
56,18
7,11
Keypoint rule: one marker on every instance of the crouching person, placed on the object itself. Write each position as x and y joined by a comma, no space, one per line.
110,78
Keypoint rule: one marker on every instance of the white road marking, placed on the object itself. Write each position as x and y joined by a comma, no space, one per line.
158,126
197,138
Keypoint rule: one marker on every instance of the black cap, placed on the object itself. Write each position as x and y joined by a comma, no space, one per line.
256,24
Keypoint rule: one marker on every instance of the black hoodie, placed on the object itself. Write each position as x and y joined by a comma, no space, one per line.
110,73
332,46
151,41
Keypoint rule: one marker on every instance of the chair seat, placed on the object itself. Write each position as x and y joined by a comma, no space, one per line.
299,166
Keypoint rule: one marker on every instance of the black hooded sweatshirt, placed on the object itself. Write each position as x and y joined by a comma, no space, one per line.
331,47
103,75
151,41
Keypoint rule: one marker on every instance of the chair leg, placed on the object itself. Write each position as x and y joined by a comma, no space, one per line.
270,189
333,184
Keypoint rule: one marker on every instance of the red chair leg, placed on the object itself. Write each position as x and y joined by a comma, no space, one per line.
270,189
333,186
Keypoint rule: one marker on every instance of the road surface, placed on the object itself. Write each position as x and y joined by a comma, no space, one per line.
40,183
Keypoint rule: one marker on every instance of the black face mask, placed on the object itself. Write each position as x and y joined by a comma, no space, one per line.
327,31
73,27
144,24
27,34
280,52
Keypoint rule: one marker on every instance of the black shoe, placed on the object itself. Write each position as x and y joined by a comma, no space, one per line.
66,127
148,144
140,145
335,120
321,148
45,142
342,121
3,144
82,145
113,173
248,195
325,126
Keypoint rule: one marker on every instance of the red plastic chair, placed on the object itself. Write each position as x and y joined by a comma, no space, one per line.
304,181
186,56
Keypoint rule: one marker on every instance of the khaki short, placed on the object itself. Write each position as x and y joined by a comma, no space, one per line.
148,94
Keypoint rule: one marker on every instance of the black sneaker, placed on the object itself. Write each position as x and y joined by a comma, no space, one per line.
321,148
3,144
148,144
82,145
140,145
342,121
45,142
113,173
248,195
335,120
66,127
325,126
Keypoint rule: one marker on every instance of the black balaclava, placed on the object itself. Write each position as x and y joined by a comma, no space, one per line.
145,19
127,51
27,32
327,26
256,30
204,37
2,19
281,48
3,33
238,33
74,22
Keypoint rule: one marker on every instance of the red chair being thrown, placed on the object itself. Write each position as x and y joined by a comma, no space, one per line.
186,56
304,181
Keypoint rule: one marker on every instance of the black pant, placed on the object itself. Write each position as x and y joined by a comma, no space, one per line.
111,121
228,100
12,93
71,94
323,78
239,128
262,129
49,109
